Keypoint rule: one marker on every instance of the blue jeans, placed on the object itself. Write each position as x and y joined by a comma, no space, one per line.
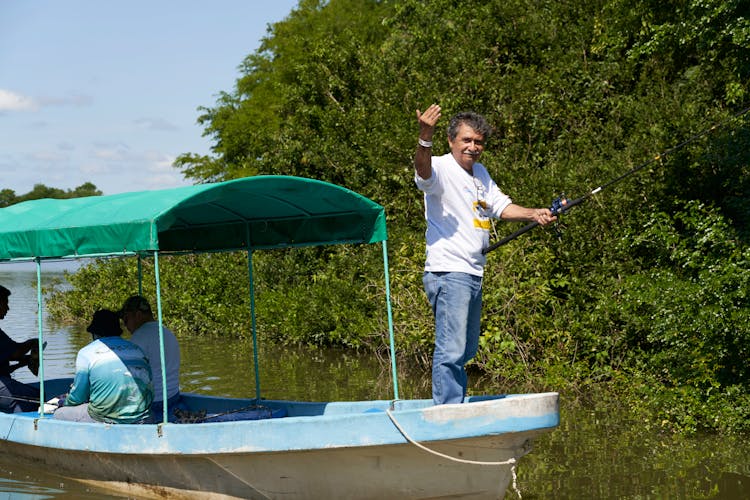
456,300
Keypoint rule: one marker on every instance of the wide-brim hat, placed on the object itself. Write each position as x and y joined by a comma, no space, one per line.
105,323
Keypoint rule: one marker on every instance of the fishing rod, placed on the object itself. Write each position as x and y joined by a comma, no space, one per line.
561,205
19,398
49,407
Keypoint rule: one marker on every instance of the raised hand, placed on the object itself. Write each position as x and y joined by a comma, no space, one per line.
427,121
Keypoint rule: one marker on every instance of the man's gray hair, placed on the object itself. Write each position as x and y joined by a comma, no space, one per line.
474,120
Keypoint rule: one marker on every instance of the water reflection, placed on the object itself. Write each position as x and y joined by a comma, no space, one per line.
602,454
225,367
19,481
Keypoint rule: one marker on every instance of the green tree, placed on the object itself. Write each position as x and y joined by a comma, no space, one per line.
8,196
85,189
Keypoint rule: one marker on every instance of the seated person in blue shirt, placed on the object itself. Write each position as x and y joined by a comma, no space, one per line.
113,378
16,396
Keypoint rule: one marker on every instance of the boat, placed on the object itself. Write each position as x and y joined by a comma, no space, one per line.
256,447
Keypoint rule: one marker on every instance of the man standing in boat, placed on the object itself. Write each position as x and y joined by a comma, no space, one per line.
460,199
138,318
15,396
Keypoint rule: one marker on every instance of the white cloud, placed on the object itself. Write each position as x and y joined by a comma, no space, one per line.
10,101
164,181
109,154
156,124
95,169
165,164
158,161
112,152
48,157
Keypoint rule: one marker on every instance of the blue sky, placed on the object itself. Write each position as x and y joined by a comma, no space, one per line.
107,92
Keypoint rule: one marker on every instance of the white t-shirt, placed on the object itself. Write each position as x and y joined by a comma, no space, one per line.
147,338
458,208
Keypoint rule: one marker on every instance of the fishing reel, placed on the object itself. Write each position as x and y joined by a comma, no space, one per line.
558,205
557,208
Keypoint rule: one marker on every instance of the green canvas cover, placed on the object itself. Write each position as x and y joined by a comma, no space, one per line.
253,212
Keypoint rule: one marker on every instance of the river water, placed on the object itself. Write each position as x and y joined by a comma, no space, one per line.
596,453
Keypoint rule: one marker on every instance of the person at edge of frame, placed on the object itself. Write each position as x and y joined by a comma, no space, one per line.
16,396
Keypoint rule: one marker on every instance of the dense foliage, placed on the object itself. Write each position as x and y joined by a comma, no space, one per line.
9,197
646,286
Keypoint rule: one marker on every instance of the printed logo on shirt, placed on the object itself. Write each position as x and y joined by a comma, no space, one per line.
481,221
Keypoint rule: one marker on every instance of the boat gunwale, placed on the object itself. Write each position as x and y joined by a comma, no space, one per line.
371,426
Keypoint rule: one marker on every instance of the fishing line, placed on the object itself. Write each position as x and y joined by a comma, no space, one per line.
560,206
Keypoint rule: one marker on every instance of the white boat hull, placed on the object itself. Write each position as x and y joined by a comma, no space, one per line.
350,450
397,471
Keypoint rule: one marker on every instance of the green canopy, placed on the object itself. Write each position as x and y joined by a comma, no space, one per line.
249,213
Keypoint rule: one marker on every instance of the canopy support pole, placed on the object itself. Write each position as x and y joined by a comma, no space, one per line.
163,387
40,337
252,315
390,320
140,276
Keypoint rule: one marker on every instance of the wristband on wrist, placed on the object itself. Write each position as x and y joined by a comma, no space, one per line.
425,144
